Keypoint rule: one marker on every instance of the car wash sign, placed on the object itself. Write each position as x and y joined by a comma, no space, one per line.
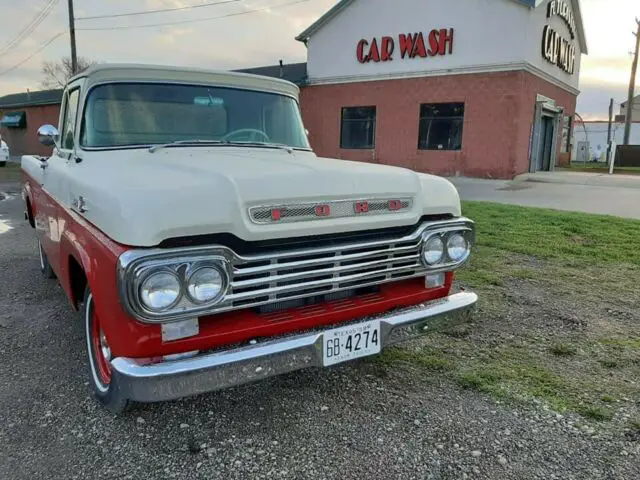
557,49
406,46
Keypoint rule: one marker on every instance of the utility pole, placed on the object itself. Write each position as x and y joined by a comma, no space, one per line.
632,84
609,131
72,36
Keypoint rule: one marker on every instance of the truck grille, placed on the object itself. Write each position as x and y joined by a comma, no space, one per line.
283,276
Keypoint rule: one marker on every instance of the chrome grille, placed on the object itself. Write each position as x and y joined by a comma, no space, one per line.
298,274
281,277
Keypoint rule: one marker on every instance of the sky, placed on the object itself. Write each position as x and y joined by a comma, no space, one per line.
261,38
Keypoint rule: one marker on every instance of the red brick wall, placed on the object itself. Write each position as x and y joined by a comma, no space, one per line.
24,141
499,110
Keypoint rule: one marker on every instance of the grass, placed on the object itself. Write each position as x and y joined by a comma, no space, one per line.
594,167
563,350
579,238
596,413
572,366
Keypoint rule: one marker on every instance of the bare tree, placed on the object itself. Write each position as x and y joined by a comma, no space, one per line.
56,73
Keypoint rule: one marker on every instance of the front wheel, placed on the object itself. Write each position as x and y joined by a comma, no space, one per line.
103,383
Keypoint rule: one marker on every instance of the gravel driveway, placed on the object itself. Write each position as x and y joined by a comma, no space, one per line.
363,420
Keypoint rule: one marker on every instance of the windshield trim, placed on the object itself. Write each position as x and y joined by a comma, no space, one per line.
191,145
85,97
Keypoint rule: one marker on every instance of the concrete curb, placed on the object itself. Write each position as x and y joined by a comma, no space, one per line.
582,178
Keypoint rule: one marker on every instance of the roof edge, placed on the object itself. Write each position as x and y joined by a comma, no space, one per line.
318,24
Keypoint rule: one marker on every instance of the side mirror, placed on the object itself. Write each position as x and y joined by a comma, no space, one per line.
306,132
48,135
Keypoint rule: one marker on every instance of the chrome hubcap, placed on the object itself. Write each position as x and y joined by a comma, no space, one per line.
41,257
104,346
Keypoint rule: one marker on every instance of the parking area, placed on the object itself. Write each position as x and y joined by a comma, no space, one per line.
408,414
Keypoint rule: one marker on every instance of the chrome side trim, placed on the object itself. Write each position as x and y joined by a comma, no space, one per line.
223,369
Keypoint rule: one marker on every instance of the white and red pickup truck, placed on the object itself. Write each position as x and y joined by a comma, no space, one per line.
206,245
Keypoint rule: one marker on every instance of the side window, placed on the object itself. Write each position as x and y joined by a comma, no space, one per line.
69,120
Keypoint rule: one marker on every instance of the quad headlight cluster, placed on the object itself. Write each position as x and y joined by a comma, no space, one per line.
174,288
446,248
164,288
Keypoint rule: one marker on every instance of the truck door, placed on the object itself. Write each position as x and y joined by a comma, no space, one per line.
54,179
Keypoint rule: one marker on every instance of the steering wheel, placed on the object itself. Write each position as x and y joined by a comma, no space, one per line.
254,135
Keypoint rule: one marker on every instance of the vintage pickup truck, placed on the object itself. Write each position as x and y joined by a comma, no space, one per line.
206,245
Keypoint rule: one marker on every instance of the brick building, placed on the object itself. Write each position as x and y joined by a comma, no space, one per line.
21,114
482,88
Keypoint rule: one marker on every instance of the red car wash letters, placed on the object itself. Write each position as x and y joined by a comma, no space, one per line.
411,45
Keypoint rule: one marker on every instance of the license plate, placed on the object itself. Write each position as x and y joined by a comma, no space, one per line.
348,343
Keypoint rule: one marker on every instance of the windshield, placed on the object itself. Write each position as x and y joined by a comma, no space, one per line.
130,114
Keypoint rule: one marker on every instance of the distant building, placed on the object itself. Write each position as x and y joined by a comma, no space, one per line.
590,139
635,115
21,114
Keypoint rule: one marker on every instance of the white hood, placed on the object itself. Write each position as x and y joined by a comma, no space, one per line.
139,198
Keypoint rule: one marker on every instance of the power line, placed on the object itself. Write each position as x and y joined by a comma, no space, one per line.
245,12
30,27
146,12
42,47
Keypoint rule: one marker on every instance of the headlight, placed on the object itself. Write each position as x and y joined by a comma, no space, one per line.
160,290
433,250
457,247
206,284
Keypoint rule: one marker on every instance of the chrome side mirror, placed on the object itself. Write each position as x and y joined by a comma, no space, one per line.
48,135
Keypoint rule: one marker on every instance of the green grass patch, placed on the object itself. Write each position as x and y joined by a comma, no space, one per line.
596,413
609,363
593,167
431,359
583,258
563,350
578,238
622,343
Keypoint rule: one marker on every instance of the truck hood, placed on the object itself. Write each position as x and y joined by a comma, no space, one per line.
139,198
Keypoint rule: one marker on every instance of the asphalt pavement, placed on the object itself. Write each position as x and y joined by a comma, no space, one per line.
589,193
355,421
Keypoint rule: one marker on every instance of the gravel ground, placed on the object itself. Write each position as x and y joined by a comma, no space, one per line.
362,420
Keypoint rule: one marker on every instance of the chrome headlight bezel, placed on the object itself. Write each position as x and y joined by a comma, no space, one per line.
446,262
136,266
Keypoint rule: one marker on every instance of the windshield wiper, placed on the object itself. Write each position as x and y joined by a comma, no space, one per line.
280,146
195,141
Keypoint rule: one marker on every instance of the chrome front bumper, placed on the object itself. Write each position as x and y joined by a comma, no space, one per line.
223,369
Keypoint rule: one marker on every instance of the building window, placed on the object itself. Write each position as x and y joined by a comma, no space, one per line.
566,135
358,130
441,126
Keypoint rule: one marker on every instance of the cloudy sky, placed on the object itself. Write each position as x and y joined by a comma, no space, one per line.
258,38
